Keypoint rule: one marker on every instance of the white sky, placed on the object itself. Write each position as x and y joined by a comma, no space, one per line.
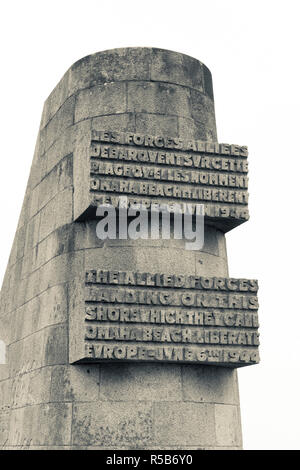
252,50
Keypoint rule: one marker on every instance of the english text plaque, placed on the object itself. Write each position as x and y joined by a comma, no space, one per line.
134,316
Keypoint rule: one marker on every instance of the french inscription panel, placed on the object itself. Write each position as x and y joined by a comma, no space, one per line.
164,170
134,316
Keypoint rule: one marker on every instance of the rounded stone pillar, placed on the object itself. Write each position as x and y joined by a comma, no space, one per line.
50,403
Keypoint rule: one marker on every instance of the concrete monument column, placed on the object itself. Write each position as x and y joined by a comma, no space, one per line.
93,361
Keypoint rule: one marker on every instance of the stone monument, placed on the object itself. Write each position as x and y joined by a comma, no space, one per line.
126,343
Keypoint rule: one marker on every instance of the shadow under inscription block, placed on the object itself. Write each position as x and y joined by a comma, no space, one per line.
164,170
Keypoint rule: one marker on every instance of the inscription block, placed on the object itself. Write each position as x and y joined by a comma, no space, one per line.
162,170
134,316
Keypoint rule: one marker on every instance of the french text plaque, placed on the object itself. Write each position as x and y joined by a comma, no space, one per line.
162,170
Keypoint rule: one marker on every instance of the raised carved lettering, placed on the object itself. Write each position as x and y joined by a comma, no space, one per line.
166,317
161,169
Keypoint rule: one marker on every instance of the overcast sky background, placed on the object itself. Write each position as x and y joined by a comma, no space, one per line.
252,49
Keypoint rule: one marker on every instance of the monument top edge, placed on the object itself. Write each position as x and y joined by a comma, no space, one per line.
147,50
138,64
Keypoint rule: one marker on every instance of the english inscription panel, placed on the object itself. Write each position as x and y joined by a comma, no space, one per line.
135,316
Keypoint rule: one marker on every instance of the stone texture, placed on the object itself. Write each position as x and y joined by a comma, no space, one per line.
140,382
157,124
48,223
48,424
102,99
46,403
209,385
65,144
113,424
61,120
58,179
190,129
4,427
128,64
31,388
45,309
168,66
207,265
187,424
114,122
5,393
148,97
75,384
115,65
228,432
135,259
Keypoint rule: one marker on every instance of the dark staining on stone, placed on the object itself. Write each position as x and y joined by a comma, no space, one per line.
208,82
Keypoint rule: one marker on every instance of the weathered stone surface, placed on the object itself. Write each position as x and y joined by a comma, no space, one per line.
102,99
4,427
31,388
43,310
74,383
207,265
128,64
185,424
49,223
202,110
131,259
65,144
156,124
113,122
47,424
55,347
45,402
152,97
141,382
115,65
63,119
113,424
190,129
5,393
58,179
208,385
228,432
168,66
